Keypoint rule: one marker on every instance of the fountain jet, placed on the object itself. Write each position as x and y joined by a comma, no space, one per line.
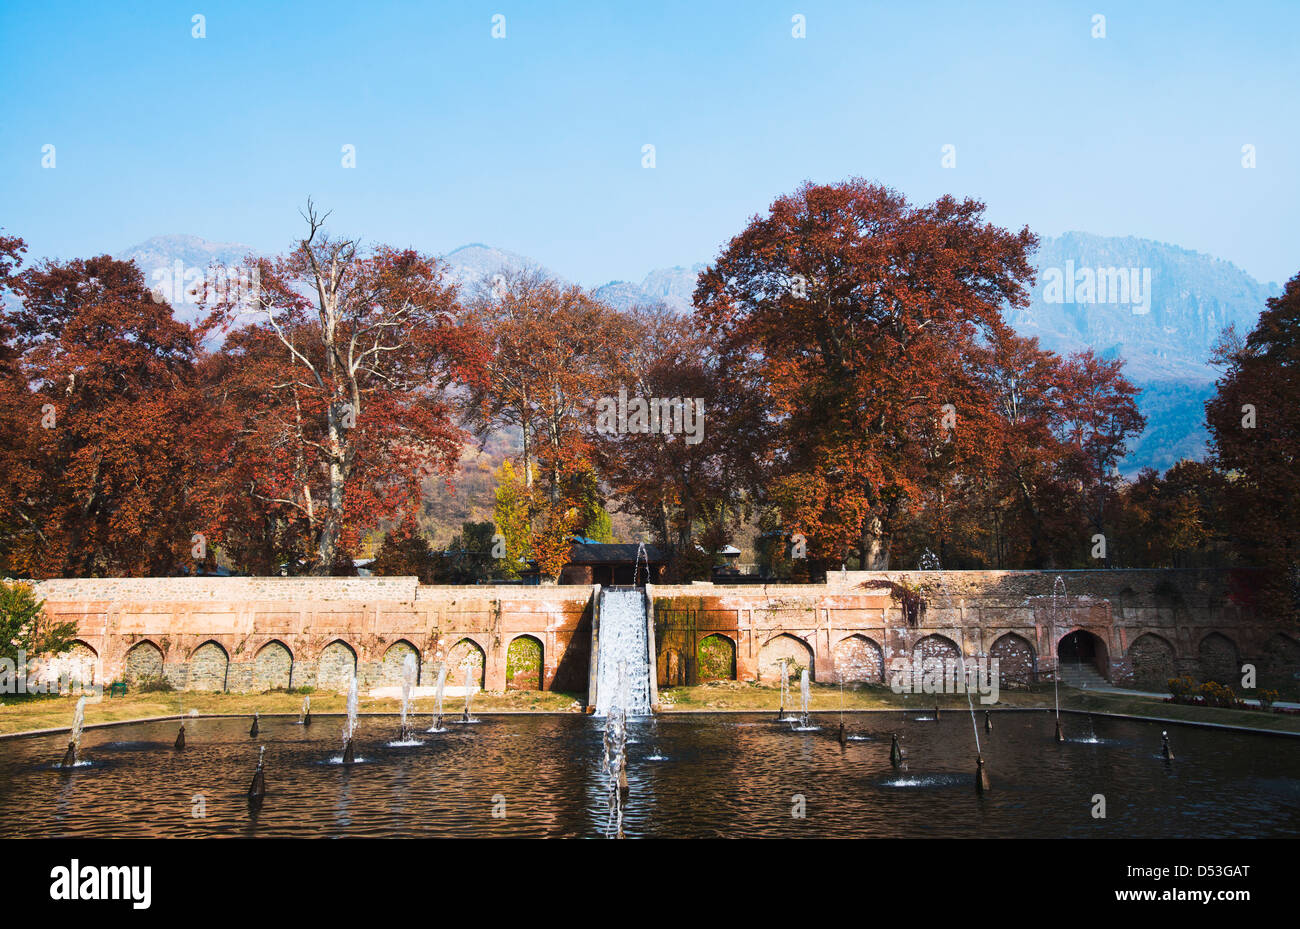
350,727
410,670
74,736
306,711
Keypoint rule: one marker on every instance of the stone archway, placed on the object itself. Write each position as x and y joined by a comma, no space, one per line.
208,667
466,653
76,666
1151,658
393,662
785,649
1017,663
716,658
144,662
859,658
1217,660
336,666
1083,651
524,663
273,667
1279,662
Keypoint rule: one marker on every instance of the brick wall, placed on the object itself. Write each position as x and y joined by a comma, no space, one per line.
254,634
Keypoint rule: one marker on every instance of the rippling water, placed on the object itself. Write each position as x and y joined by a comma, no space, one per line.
690,776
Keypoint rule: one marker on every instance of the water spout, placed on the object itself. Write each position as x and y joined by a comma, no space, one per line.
257,789
74,736
350,727
804,694
437,697
410,670
306,711
469,691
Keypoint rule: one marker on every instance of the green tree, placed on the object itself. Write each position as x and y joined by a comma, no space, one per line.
511,518
405,552
26,629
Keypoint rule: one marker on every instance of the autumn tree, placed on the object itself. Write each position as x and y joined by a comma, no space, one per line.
357,413
1254,420
112,419
856,311
686,479
553,348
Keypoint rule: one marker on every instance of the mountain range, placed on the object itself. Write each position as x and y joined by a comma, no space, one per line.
1159,307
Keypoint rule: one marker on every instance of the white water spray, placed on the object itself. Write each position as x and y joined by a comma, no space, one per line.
623,643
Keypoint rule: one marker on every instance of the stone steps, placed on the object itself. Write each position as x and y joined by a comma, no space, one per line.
1081,674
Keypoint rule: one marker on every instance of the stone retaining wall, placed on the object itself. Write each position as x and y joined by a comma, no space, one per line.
254,634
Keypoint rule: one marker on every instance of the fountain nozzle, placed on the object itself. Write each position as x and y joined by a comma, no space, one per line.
988,721
180,739
69,757
981,776
1165,751
252,732
257,790
895,753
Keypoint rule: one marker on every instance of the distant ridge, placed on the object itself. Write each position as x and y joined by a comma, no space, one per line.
1166,348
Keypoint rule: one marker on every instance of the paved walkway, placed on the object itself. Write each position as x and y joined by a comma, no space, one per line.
1107,689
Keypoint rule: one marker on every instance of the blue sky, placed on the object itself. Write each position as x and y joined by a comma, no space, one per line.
533,142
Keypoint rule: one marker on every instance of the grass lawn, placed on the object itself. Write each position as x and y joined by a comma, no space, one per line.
733,696
23,714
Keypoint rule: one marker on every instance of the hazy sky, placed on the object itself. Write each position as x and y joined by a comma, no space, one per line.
533,142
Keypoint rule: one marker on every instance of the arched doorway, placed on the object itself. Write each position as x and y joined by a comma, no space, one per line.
859,659
1015,658
1081,652
524,663
788,650
716,658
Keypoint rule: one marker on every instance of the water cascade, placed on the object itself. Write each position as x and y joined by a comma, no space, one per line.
615,758
350,727
74,737
623,642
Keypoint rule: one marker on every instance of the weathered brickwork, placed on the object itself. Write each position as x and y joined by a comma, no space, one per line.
1138,627
256,634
